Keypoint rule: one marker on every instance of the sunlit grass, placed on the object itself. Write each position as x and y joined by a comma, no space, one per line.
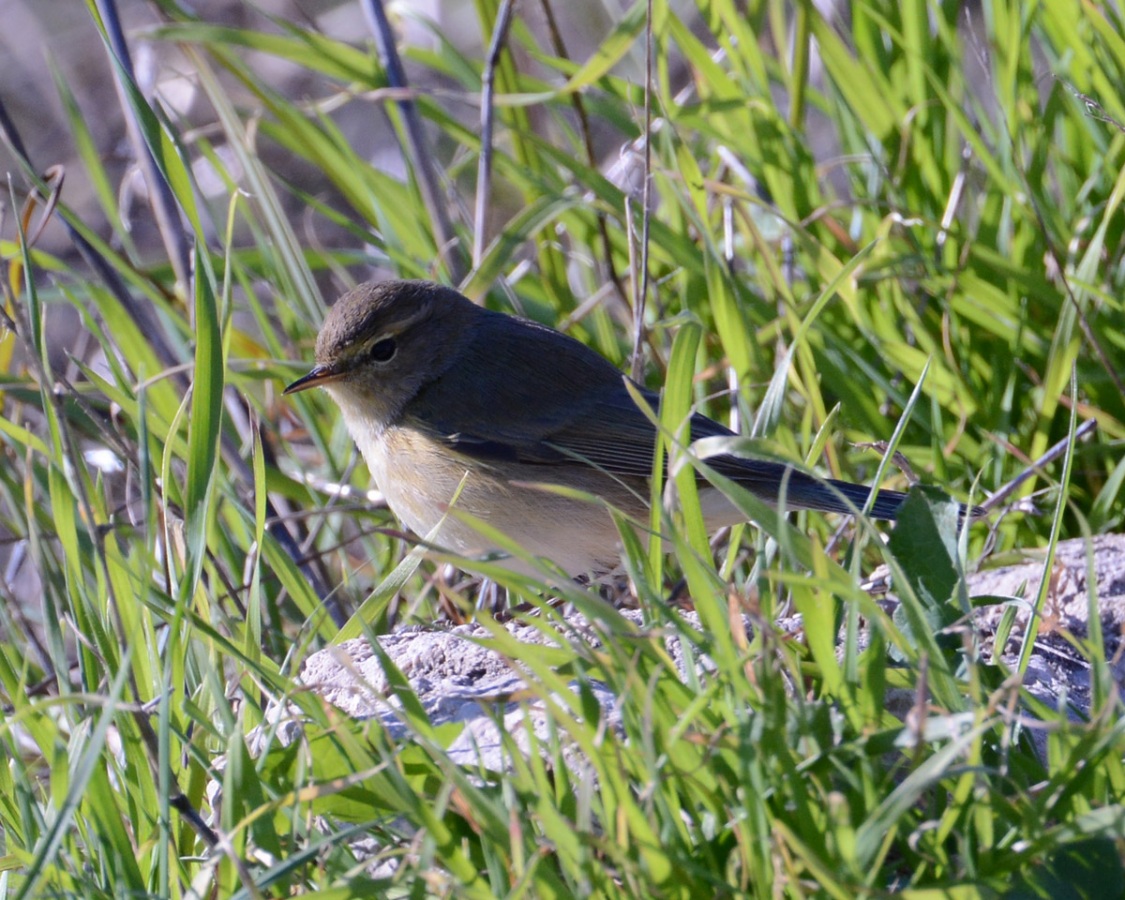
947,274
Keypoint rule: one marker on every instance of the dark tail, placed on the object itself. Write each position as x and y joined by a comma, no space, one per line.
803,491
886,506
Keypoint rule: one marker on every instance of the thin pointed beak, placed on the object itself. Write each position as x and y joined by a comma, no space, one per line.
320,375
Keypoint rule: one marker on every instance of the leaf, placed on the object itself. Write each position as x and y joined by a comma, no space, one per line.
924,542
204,425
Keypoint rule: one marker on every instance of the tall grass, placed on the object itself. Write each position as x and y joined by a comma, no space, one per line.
898,225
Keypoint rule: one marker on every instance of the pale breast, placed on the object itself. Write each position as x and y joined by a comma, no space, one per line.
417,479
420,479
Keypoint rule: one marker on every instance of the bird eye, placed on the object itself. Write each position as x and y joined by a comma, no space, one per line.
383,350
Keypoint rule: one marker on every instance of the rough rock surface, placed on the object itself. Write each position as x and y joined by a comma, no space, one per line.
457,679
1083,573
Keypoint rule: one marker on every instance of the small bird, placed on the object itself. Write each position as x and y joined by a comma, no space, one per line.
448,400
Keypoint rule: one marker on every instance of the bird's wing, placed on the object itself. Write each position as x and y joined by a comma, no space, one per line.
524,393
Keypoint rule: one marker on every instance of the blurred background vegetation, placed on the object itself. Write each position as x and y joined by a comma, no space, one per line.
827,225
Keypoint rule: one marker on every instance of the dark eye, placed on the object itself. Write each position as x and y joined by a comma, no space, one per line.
383,350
